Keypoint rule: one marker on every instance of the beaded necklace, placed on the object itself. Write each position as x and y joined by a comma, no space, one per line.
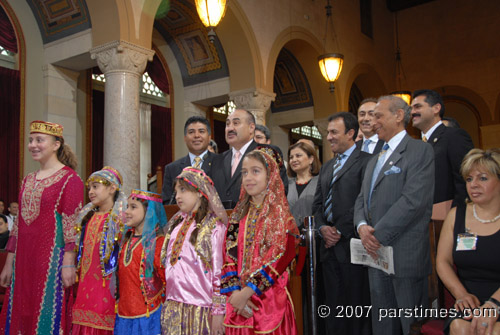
179,240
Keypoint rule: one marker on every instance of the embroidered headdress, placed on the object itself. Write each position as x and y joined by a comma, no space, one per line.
154,221
204,184
216,212
45,127
271,226
113,226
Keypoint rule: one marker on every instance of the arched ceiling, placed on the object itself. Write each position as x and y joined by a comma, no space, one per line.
60,18
198,58
290,84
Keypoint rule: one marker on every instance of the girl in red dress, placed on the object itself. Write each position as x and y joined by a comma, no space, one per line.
260,245
100,227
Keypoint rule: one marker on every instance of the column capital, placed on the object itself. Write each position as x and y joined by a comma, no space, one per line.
322,125
256,101
121,56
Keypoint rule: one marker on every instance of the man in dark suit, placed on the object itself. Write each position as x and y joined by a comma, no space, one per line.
450,145
226,169
339,184
369,139
197,136
394,209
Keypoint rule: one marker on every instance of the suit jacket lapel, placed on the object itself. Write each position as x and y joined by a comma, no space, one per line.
228,155
328,178
347,165
185,162
207,162
393,158
378,147
237,173
436,134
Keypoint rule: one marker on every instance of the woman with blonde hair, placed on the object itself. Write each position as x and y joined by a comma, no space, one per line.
469,238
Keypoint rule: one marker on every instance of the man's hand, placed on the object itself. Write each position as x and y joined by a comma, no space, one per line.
330,235
369,240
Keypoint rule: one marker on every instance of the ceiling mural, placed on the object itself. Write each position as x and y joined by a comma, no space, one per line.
290,84
60,18
199,59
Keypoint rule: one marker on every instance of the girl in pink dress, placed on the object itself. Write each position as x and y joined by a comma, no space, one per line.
43,239
100,228
192,255
260,245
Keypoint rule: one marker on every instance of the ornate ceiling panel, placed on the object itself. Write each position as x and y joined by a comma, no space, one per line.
290,84
60,18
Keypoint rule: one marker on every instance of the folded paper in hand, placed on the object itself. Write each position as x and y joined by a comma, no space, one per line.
359,255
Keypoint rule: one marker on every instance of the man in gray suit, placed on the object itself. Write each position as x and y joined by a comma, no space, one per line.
394,209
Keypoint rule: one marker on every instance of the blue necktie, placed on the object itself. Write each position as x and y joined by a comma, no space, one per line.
376,170
365,145
328,203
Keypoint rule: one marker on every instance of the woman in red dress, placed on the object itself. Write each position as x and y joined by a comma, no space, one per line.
41,260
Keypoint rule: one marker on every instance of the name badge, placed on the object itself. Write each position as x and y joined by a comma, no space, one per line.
466,241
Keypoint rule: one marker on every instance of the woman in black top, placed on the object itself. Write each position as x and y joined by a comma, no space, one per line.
469,240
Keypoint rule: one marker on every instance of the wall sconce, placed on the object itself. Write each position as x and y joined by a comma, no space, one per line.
210,13
405,95
330,64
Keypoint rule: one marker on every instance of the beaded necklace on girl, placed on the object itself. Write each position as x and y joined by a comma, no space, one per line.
141,276
99,228
192,255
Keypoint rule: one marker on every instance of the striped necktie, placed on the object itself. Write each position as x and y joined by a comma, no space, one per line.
197,162
424,139
328,203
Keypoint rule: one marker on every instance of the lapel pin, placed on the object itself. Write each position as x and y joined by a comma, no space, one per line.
435,140
390,163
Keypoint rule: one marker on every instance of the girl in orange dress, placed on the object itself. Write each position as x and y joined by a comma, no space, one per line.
141,276
260,245
100,227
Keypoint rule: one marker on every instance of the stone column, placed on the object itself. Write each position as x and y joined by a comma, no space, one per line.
145,122
254,100
123,64
322,125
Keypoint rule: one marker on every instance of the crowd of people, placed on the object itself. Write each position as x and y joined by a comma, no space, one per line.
118,265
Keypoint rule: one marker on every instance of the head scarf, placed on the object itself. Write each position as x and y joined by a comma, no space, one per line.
113,227
155,220
273,223
203,184
216,212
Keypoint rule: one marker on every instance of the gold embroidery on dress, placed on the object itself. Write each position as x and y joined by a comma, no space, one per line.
32,195
92,236
179,241
129,251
